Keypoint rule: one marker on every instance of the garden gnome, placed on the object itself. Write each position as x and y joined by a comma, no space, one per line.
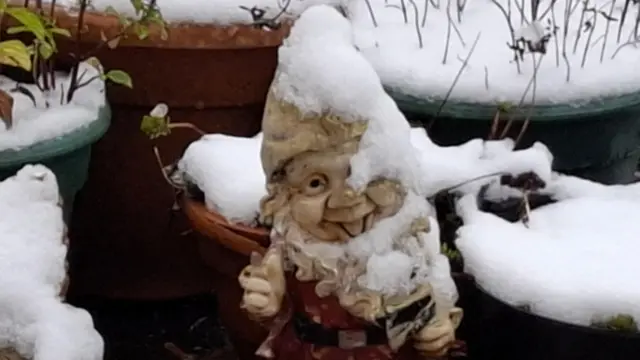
354,271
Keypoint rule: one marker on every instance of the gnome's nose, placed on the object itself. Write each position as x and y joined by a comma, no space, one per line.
344,198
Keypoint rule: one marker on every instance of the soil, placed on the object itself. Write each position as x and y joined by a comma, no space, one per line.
180,329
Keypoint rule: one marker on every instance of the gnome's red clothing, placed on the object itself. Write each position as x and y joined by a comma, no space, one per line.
327,312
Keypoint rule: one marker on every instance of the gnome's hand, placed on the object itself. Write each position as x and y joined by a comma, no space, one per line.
264,285
436,338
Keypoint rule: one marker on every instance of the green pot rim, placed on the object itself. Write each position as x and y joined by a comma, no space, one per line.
64,144
542,112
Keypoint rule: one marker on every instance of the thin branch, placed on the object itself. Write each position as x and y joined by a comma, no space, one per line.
606,32
456,79
511,29
416,23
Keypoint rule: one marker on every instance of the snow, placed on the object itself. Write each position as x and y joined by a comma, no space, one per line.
33,319
228,170
216,12
34,124
576,262
393,48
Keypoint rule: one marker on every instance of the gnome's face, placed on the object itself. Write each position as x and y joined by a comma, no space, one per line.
324,206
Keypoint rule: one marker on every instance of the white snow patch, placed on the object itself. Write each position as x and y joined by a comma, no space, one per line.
575,263
491,76
216,12
42,122
33,320
229,172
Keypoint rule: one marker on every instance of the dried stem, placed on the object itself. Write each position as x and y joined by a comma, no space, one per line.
371,13
533,82
424,13
584,10
187,126
565,31
494,126
606,32
448,39
511,29
403,7
416,22
456,79
589,37
623,17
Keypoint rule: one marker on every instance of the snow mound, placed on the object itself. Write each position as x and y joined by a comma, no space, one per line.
228,170
576,262
33,319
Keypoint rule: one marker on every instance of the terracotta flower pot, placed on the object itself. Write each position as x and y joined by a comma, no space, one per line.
124,243
226,248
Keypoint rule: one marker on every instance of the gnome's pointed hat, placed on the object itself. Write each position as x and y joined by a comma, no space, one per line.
304,110
325,94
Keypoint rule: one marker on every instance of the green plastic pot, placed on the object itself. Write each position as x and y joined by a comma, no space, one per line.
67,156
597,140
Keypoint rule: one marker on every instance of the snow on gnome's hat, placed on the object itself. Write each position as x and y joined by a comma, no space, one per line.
325,94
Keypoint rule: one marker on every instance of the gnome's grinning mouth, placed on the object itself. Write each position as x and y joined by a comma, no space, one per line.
365,224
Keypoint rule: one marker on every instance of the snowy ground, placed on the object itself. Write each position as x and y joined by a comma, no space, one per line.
50,119
33,320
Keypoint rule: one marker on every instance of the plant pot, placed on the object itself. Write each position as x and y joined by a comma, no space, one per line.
214,77
517,334
67,156
226,249
597,140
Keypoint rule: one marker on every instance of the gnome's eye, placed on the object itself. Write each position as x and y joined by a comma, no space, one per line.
315,185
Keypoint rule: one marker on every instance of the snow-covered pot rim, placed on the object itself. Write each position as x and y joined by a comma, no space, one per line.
239,238
487,296
181,35
541,112
62,145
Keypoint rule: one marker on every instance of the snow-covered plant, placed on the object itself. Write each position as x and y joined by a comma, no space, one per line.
515,53
38,21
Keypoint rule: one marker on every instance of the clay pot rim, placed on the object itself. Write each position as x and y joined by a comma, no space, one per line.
203,220
181,35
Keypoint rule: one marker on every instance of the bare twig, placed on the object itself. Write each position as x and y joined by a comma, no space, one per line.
486,77
448,38
606,32
186,126
585,4
371,13
623,17
532,83
494,125
424,13
416,22
403,6
456,79
511,29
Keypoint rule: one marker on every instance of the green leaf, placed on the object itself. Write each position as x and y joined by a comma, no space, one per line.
30,20
141,31
154,126
15,53
16,29
59,31
119,77
45,50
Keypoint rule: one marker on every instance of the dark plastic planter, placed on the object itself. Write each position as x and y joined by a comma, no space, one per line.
67,156
598,140
503,332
